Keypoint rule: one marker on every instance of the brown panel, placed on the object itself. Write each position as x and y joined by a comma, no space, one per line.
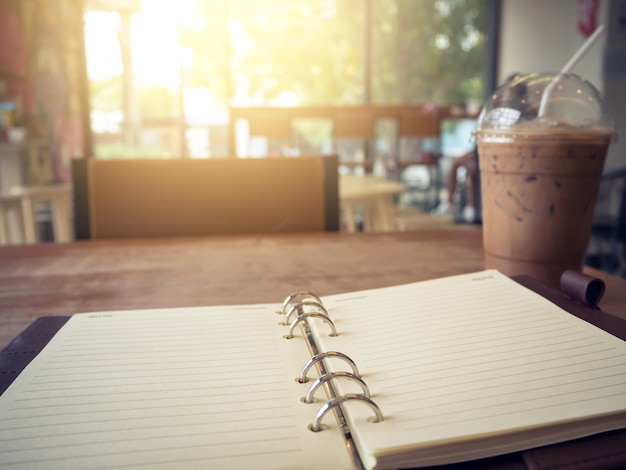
331,192
148,198
80,199
354,125
420,125
277,127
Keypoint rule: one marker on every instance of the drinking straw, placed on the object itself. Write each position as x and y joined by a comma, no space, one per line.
567,67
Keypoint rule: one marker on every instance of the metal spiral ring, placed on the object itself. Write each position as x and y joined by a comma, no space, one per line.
328,354
301,294
316,426
304,316
335,375
305,303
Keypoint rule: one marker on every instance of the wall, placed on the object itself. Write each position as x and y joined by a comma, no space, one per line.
12,52
552,40
615,80
50,68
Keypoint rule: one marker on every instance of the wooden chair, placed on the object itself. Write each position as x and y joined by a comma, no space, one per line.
181,197
419,126
358,125
272,125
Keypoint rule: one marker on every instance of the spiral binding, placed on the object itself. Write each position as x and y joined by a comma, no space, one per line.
334,375
297,297
305,305
302,317
335,402
308,306
296,307
330,354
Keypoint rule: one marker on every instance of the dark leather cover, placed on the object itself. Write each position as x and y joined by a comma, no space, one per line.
23,349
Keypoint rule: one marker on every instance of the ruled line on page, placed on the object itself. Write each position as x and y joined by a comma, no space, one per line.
457,357
219,388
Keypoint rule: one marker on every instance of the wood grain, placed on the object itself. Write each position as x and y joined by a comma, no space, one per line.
66,278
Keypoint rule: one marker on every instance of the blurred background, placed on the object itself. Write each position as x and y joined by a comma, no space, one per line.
128,79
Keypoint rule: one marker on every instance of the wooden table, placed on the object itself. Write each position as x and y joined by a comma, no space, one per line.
374,196
66,278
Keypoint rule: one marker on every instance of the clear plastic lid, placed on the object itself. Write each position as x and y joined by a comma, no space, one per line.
537,101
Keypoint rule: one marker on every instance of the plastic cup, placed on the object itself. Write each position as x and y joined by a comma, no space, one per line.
540,175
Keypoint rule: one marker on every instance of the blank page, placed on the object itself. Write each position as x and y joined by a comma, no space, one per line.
173,388
472,366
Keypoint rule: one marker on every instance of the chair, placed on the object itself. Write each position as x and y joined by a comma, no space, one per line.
355,126
421,171
182,197
607,245
272,124
275,128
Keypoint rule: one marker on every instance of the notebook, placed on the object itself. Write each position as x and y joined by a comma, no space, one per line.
432,373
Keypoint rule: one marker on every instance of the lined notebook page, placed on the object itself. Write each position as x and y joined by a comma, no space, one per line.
177,388
473,356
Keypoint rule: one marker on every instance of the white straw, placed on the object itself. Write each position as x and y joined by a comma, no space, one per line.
567,67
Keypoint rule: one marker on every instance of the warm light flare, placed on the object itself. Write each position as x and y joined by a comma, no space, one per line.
155,42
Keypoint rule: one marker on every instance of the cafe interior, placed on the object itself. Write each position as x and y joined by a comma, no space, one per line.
231,121
179,178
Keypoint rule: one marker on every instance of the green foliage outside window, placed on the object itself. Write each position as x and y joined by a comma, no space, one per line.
311,52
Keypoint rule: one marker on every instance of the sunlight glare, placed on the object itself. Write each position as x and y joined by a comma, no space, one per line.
101,45
155,45
156,48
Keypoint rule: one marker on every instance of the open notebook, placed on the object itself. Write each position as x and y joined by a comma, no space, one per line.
434,372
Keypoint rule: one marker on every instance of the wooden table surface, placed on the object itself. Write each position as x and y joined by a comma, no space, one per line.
67,278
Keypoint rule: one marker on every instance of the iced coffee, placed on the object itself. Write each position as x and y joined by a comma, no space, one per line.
540,174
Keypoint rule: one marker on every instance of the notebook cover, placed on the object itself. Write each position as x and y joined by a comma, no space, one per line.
579,295
23,349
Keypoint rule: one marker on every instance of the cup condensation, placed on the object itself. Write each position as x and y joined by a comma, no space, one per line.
540,174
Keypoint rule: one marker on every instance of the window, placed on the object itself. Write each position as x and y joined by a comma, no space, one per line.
163,74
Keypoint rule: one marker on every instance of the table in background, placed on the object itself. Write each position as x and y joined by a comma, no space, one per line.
67,278
374,196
